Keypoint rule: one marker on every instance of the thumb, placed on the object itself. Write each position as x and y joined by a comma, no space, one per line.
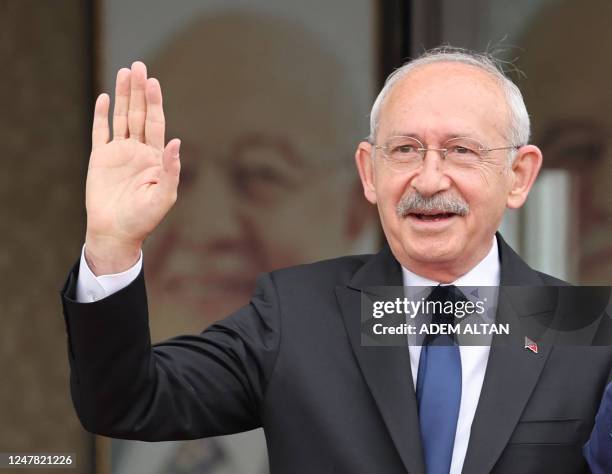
171,164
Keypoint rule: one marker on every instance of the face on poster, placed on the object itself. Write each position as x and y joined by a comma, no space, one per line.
567,93
269,101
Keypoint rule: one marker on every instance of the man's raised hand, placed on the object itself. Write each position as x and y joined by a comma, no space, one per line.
132,178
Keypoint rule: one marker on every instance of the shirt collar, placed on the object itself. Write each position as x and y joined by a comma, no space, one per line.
485,273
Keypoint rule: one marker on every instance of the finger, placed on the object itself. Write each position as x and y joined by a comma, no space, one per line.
155,124
99,130
172,168
137,109
122,100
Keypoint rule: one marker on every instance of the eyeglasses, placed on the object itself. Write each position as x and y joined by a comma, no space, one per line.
404,152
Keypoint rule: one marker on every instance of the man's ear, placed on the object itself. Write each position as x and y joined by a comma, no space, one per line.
361,214
365,166
525,169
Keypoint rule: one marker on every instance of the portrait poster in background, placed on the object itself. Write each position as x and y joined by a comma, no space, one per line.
270,99
565,228
568,95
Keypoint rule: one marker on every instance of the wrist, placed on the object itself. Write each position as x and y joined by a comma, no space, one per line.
108,255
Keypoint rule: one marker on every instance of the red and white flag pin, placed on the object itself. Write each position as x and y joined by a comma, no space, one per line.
531,345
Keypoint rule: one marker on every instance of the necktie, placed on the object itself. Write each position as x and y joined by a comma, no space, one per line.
439,388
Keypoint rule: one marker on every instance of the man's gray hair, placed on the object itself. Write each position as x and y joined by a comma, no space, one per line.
519,126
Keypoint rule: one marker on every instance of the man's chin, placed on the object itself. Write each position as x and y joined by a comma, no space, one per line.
204,295
431,248
434,256
201,310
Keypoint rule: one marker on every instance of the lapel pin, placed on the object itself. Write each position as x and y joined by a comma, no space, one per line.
531,345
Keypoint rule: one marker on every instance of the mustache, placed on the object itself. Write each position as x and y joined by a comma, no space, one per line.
416,203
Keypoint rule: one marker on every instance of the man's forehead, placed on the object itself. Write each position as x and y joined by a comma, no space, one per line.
450,93
454,78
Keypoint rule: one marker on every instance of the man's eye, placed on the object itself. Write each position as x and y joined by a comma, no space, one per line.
461,150
261,182
406,149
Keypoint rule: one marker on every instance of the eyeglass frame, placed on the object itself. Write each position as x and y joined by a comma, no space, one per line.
423,149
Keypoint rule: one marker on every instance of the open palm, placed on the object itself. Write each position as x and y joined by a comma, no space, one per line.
132,179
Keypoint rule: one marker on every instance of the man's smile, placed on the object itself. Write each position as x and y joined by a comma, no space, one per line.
431,215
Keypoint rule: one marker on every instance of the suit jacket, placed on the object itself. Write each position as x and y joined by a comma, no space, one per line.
292,362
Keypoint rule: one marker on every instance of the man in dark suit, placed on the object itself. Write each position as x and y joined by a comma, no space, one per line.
447,154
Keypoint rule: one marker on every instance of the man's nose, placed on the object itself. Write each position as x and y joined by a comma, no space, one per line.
430,178
216,221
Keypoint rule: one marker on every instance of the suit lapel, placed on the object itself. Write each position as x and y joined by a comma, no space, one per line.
512,371
386,370
511,375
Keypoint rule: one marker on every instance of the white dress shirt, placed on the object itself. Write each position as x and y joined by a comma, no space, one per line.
473,358
92,288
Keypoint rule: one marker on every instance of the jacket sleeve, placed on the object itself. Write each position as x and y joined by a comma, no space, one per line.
183,388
